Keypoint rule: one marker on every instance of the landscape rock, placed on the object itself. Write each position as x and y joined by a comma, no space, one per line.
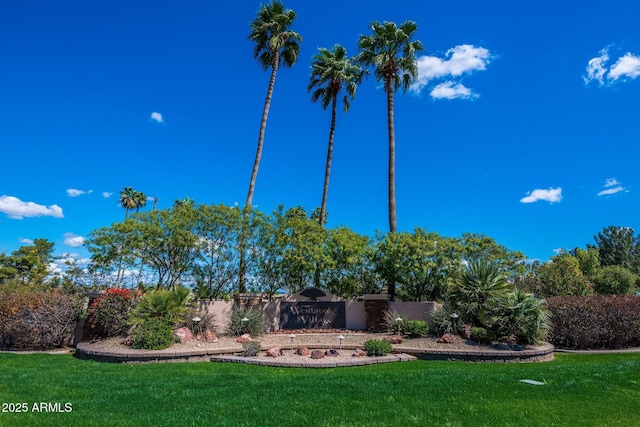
317,354
274,352
394,339
331,353
447,339
302,351
183,334
358,352
244,338
207,336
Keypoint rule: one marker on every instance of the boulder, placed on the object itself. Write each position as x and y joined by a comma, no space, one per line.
331,353
244,338
358,352
447,339
207,336
317,354
274,352
183,334
302,351
394,339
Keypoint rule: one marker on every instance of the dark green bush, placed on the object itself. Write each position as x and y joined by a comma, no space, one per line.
482,335
112,310
254,325
595,322
153,334
416,328
38,320
377,347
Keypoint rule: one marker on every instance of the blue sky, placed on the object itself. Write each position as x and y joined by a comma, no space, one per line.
523,124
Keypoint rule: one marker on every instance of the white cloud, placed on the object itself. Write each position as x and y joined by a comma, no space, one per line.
73,192
458,61
106,194
625,67
155,116
451,90
612,186
596,67
25,241
611,182
17,209
73,240
552,195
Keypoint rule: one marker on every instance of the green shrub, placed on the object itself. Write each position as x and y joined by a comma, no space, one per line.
254,325
595,322
251,348
416,328
377,347
482,335
112,310
38,320
153,334
168,305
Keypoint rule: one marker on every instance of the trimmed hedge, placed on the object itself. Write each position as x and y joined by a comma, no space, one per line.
38,320
595,322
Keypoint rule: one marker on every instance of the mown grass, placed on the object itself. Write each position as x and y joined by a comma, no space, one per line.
591,390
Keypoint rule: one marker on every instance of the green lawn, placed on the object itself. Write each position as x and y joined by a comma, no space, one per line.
598,390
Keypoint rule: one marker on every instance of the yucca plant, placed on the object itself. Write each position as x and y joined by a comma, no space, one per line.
254,325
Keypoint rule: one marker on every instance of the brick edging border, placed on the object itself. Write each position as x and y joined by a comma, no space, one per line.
85,350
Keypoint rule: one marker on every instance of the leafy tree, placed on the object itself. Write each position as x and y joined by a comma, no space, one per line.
589,261
292,250
216,264
391,50
615,280
618,246
484,249
28,264
275,44
331,71
350,271
417,266
562,276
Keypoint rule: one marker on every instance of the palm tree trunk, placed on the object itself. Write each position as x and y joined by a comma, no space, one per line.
327,170
393,221
254,174
391,286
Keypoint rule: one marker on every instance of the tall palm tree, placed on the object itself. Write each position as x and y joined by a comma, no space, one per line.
391,50
128,200
331,71
275,45
140,199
